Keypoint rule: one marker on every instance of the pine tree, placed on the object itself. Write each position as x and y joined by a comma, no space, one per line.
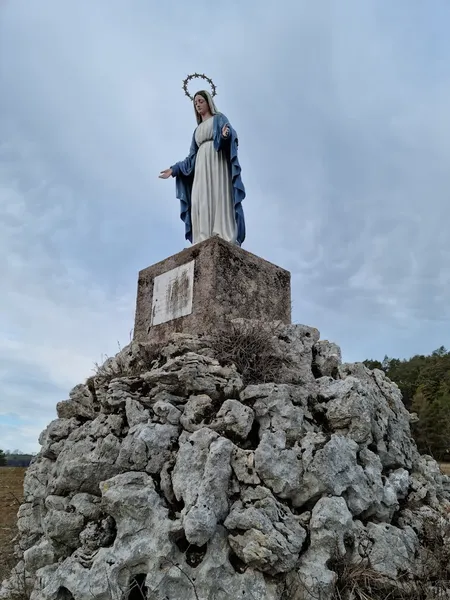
425,385
432,432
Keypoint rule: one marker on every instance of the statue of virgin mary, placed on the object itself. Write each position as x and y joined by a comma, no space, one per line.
208,182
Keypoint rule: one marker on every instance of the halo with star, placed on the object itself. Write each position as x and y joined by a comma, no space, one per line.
198,76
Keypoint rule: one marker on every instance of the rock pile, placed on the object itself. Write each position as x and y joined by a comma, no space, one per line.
169,477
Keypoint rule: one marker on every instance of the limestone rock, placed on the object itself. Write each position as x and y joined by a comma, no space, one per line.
279,467
147,447
165,412
29,524
118,391
234,419
331,526
86,505
39,556
69,409
280,407
63,527
164,466
327,358
57,430
295,345
135,412
263,532
83,464
198,409
201,479
243,465
193,374
386,548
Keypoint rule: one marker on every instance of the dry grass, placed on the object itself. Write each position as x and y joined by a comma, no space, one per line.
252,348
445,468
11,493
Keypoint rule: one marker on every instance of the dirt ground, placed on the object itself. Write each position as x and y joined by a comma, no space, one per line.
11,492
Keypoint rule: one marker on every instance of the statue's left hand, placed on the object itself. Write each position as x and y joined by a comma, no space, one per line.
225,131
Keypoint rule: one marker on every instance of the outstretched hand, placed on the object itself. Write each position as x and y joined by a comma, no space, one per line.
165,174
225,131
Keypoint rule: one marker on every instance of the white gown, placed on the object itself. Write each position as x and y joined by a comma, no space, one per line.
212,209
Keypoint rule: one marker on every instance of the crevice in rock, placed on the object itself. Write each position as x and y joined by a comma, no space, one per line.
141,386
395,519
363,517
176,354
236,496
194,554
210,412
309,504
349,541
137,590
90,383
320,418
307,542
64,594
157,482
297,511
402,504
373,448
180,541
111,538
174,447
388,469
172,514
238,565
174,508
252,441
315,370
359,460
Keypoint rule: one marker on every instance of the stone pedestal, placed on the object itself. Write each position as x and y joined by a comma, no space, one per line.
205,285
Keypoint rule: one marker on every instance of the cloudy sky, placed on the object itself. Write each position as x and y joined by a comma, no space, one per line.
342,110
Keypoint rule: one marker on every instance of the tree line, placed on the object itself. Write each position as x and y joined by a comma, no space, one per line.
425,385
15,458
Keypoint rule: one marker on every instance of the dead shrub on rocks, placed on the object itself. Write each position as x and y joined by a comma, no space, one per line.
124,364
252,348
359,581
435,542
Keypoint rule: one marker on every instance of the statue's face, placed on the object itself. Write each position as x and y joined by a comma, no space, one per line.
201,106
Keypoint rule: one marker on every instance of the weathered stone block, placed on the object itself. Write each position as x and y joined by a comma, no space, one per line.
207,285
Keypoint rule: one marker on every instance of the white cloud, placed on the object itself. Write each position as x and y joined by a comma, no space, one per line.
341,109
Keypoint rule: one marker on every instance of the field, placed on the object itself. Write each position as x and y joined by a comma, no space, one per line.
445,468
11,491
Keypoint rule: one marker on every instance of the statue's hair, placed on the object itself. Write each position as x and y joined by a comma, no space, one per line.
212,107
